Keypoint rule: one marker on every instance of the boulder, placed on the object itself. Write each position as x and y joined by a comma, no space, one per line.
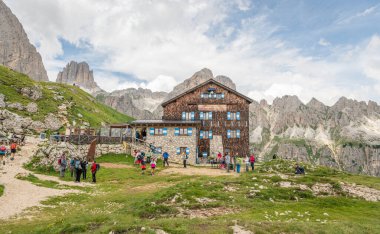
16,105
2,102
52,122
33,93
32,107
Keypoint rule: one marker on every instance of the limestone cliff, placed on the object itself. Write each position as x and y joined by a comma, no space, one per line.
78,74
345,135
16,52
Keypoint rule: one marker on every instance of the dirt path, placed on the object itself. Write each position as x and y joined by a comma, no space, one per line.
20,194
114,165
197,171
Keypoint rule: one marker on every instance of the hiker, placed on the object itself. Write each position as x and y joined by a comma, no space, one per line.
165,155
72,167
184,158
228,161
94,169
219,157
143,166
62,164
235,160
3,151
153,163
239,162
137,158
78,169
252,161
13,149
299,170
84,169
149,156
247,163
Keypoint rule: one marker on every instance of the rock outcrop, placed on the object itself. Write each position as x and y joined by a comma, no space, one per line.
345,135
139,103
16,52
78,74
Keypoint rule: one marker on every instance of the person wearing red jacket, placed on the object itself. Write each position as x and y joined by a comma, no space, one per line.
252,161
93,171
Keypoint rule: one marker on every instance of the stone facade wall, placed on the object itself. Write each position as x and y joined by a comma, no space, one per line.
48,154
170,143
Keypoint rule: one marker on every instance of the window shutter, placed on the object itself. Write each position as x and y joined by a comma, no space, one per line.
228,133
201,115
176,132
210,115
187,151
238,133
228,115
183,115
201,134
178,150
192,115
190,131
165,131
237,115
210,134
151,131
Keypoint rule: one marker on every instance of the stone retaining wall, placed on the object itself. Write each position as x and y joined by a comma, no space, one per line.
48,154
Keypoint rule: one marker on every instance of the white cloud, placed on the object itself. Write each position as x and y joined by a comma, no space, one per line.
243,5
370,58
361,14
165,42
323,42
110,82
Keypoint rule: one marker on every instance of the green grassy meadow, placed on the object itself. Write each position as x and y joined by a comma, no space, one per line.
124,201
93,112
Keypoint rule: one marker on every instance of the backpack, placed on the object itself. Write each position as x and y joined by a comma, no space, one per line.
97,167
2,148
59,161
77,165
13,146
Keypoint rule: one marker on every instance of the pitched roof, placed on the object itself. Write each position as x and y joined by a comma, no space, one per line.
205,83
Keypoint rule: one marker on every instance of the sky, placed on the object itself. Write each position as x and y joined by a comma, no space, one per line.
323,49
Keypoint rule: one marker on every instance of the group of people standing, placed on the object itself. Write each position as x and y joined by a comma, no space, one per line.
78,167
229,162
142,160
4,151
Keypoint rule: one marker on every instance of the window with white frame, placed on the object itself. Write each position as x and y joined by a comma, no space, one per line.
233,115
232,134
183,131
158,131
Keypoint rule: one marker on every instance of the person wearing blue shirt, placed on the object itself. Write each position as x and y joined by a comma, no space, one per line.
165,155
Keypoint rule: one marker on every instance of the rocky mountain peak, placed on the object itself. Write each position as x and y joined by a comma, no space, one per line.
79,74
287,103
199,78
316,104
16,51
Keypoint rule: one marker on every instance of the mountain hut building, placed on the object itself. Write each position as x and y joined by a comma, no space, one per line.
201,122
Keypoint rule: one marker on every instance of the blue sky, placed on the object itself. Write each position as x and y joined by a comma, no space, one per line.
322,49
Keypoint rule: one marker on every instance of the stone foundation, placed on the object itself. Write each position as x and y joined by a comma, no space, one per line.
48,154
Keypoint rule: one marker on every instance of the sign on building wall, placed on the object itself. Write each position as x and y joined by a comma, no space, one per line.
212,107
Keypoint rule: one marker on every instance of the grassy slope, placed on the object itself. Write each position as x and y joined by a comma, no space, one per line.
126,201
92,111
